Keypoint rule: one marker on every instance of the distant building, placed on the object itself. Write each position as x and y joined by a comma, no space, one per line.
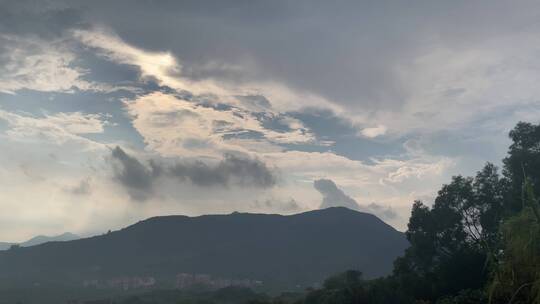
124,283
188,280
203,279
108,301
98,302
184,280
91,283
128,283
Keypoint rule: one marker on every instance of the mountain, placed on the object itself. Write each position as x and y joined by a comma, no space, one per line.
40,239
5,246
284,251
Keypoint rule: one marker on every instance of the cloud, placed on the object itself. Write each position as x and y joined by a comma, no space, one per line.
287,206
56,64
77,122
374,132
418,78
46,19
257,103
371,79
383,212
162,67
132,174
418,168
83,188
232,171
34,64
174,126
60,128
335,197
166,69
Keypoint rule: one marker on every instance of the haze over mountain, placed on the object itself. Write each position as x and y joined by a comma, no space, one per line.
40,239
284,251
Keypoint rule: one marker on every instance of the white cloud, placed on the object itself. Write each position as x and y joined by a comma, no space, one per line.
161,66
374,131
173,126
415,168
77,122
58,128
38,65
453,88
48,154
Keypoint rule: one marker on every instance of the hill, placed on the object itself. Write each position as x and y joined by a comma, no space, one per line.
40,239
277,250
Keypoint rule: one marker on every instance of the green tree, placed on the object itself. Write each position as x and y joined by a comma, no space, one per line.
523,154
451,242
516,275
344,288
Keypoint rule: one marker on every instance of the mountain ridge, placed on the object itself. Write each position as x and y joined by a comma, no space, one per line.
286,250
40,239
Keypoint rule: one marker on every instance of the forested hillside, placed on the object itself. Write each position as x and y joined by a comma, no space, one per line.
273,252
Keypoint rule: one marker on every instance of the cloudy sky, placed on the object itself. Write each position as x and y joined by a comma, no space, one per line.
114,111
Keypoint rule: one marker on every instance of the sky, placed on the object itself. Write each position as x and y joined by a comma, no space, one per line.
115,111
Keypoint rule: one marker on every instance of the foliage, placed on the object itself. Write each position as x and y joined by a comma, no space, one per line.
466,296
228,295
454,238
516,276
523,154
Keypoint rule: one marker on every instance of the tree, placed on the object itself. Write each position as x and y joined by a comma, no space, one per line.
344,288
489,191
516,275
523,155
452,241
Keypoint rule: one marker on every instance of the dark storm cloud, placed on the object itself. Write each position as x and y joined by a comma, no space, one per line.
140,179
335,197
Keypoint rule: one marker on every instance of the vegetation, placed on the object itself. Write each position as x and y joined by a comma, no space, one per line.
227,295
516,276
